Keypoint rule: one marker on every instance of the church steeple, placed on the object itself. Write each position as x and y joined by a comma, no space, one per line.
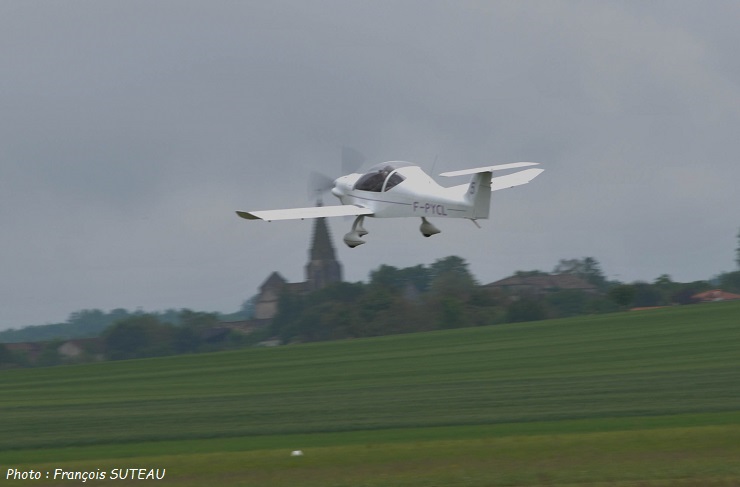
322,268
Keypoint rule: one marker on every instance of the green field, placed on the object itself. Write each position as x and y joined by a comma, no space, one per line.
641,398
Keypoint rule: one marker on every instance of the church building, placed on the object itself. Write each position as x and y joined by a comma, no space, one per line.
322,269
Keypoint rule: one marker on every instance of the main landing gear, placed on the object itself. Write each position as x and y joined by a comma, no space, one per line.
354,237
427,229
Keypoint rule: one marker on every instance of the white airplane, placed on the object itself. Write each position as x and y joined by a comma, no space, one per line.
398,189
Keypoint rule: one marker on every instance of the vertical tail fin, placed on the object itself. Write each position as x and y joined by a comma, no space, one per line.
479,194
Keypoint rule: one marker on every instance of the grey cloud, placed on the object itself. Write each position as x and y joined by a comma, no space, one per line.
132,130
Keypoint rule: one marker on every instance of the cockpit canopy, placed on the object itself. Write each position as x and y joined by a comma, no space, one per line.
382,177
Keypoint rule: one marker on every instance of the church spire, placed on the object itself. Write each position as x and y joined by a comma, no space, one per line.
322,268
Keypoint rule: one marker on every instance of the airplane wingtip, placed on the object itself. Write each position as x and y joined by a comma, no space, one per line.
247,216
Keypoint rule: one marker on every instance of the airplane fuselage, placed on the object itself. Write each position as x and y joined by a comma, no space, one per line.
418,195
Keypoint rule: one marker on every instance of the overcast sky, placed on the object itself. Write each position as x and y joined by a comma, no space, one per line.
132,130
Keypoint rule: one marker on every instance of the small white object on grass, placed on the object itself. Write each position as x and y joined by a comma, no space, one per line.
296,453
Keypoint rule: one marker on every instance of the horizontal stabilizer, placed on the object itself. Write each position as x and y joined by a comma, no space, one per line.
477,170
516,179
302,213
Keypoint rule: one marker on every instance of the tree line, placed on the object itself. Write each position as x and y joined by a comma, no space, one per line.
395,300
132,335
446,295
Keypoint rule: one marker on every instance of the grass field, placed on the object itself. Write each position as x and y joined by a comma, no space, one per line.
642,398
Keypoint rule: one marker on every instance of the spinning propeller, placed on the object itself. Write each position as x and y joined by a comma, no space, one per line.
319,183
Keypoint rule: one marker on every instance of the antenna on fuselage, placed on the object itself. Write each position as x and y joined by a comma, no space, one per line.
436,156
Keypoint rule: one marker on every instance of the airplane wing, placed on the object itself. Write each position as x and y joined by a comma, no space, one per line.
500,167
303,213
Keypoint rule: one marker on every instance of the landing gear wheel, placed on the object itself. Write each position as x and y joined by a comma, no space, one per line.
354,237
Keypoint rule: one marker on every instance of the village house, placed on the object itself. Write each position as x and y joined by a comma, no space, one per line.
715,295
75,348
542,284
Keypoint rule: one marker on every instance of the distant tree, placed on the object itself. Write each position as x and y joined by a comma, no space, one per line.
118,314
568,266
666,287
419,277
139,336
80,324
290,310
127,338
486,297
737,251
647,295
91,322
6,357
623,294
730,282
327,314
453,284
86,318
344,292
374,302
339,320
451,312
664,280
185,340
526,309
197,320
600,304
50,354
451,277
386,276
451,265
569,302
684,295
